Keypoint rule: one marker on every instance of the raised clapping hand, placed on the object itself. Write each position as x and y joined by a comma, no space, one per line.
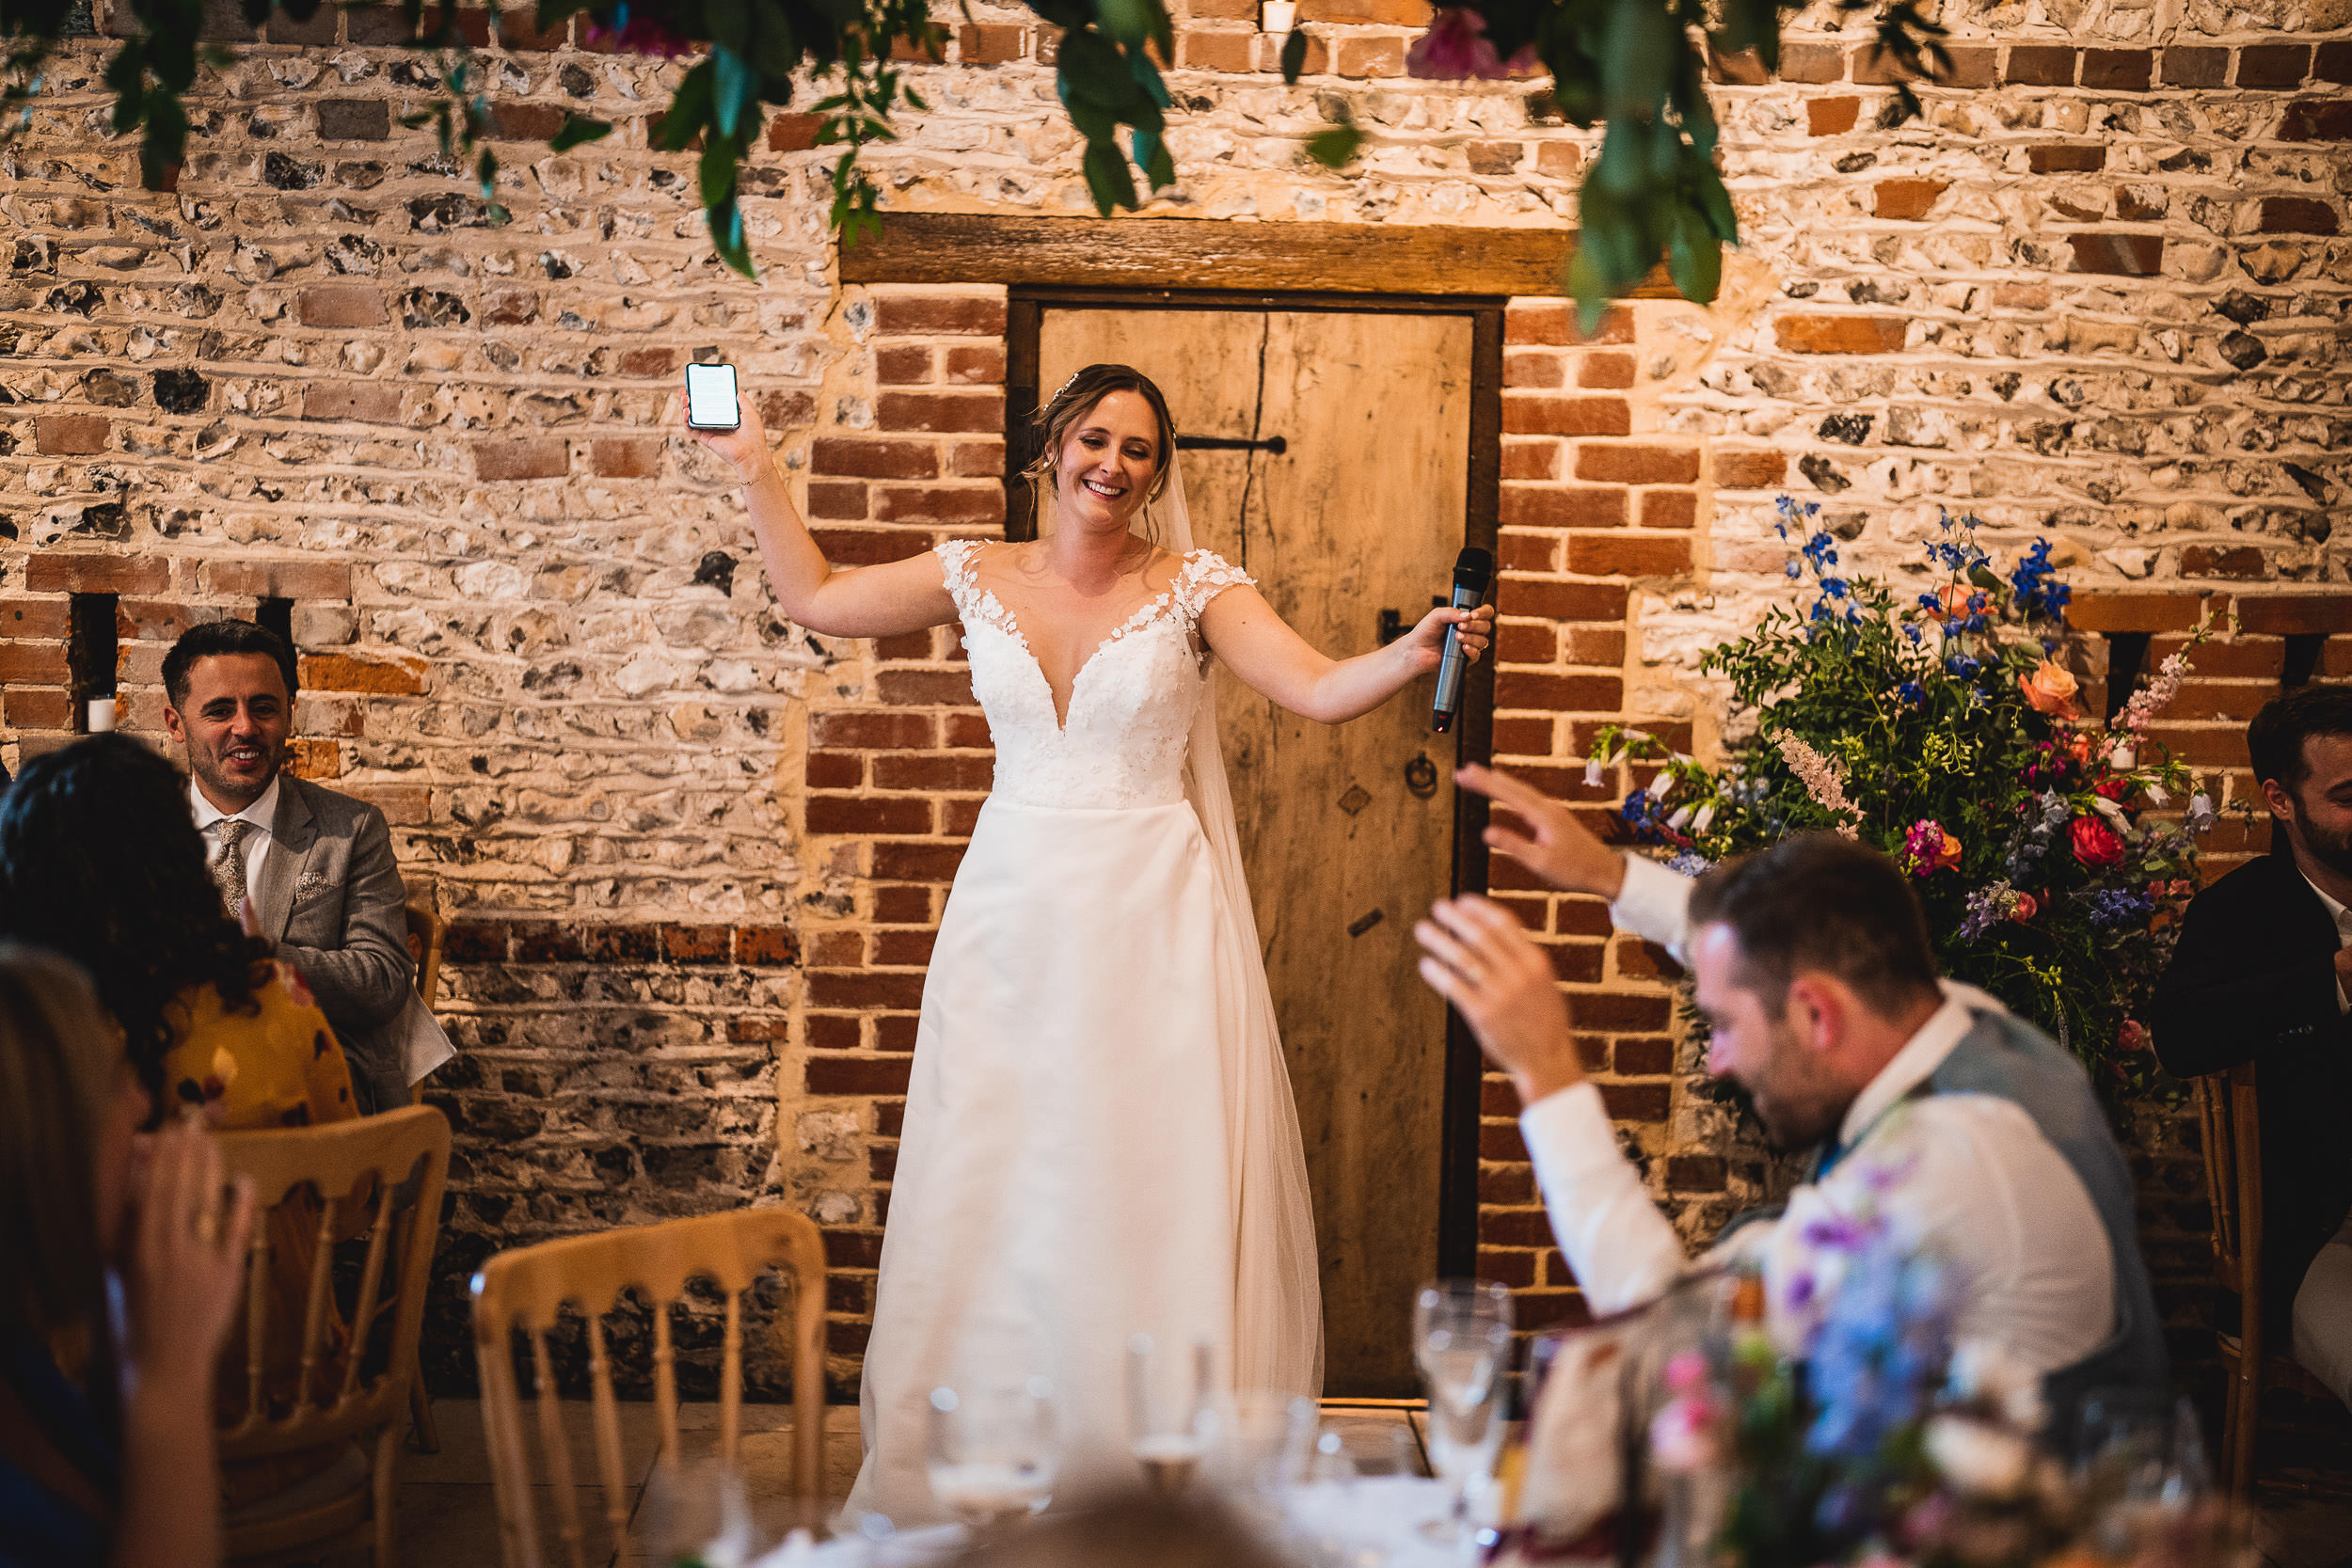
186,1258
1556,847
745,447
1478,958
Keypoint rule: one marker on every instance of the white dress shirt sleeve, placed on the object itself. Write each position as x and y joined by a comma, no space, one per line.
1619,1246
1654,904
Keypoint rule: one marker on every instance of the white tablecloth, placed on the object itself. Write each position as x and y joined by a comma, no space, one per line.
1372,1522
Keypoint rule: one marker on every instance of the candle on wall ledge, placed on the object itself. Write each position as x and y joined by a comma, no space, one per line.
1278,16
101,715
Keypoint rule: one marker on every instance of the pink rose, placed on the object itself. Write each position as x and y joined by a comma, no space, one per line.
1455,47
2132,1036
2094,843
2025,908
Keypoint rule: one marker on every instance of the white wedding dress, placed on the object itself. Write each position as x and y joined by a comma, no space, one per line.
1100,1137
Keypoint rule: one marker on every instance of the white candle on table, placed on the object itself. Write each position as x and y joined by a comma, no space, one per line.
101,715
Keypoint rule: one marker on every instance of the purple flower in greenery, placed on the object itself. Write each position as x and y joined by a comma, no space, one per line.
639,35
1455,47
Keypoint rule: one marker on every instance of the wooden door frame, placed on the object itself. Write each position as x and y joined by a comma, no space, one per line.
1026,306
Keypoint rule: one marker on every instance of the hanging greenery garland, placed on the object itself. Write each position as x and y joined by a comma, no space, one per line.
1639,66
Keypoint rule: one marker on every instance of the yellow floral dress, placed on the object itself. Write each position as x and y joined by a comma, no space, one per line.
273,1062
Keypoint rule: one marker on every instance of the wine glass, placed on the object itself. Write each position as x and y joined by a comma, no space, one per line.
1462,1340
1169,1435
991,1451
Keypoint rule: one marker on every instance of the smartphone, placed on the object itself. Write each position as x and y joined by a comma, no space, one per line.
710,403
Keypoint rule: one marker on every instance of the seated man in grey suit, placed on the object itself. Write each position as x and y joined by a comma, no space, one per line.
317,866
1967,1131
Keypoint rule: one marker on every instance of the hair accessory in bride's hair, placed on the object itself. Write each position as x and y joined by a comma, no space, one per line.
1067,384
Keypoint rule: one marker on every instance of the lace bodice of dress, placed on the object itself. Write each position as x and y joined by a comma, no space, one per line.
1131,705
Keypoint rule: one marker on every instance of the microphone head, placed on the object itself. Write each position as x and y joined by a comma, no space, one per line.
1473,568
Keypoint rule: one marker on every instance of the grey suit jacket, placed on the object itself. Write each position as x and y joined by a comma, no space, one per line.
330,895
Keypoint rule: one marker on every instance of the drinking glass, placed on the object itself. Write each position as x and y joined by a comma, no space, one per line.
991,1451
1462,1340
697,1511
1169,1430
1267,1441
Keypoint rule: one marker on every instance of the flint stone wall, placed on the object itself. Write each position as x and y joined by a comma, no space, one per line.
693,854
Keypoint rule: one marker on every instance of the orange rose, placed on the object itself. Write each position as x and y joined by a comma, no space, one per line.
2051,689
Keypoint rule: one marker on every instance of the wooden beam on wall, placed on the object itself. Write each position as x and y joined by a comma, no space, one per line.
1190,253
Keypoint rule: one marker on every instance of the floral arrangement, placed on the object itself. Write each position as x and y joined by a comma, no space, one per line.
1877,1442
1940,728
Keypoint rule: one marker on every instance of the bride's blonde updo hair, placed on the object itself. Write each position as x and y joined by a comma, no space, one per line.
1074,402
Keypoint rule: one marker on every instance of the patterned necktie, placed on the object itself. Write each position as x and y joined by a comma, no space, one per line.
229,864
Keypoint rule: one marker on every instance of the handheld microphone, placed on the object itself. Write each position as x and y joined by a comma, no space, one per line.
1473,570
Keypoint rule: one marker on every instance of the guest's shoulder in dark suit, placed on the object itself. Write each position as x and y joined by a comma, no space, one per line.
2254,970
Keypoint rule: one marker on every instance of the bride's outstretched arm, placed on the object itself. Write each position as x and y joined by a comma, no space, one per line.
1273,661
872,601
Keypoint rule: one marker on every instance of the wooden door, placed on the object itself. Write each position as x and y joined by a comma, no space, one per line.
1347,830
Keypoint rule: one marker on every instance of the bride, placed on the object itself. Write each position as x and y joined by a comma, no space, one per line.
1100,1139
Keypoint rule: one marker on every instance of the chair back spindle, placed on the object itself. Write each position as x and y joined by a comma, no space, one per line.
527,1290
309,1184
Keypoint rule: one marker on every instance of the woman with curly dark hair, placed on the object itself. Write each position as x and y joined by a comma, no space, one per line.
101,862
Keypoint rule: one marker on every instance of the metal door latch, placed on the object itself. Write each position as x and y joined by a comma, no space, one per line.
1420,776
1273,444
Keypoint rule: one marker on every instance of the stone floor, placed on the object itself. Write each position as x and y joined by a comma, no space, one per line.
449,1518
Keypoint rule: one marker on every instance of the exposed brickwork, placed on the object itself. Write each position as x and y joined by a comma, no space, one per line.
695,855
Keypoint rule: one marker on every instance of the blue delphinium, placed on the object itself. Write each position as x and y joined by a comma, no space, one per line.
2036,585
1878,1353
2117,906
1912,693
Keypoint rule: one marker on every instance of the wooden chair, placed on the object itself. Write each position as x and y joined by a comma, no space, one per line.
526,1288
427,931
2233,1186
322,1179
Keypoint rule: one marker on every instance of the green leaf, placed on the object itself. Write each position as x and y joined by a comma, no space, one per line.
728,24
689,113
1151,156
775,47
1642,44
1293,56
578,130
1128,21
1714,201
1983,579
1107,177
715,175
1694,257
1589,288
734,87
726,236
1336,148
167,139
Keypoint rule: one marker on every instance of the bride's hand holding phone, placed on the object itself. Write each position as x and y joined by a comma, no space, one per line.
745,447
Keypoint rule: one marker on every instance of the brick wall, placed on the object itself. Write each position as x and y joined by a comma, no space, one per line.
694,854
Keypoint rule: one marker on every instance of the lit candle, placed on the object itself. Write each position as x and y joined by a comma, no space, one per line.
1278,16
101,715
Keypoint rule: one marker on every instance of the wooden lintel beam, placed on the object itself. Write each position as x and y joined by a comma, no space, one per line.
1199,253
